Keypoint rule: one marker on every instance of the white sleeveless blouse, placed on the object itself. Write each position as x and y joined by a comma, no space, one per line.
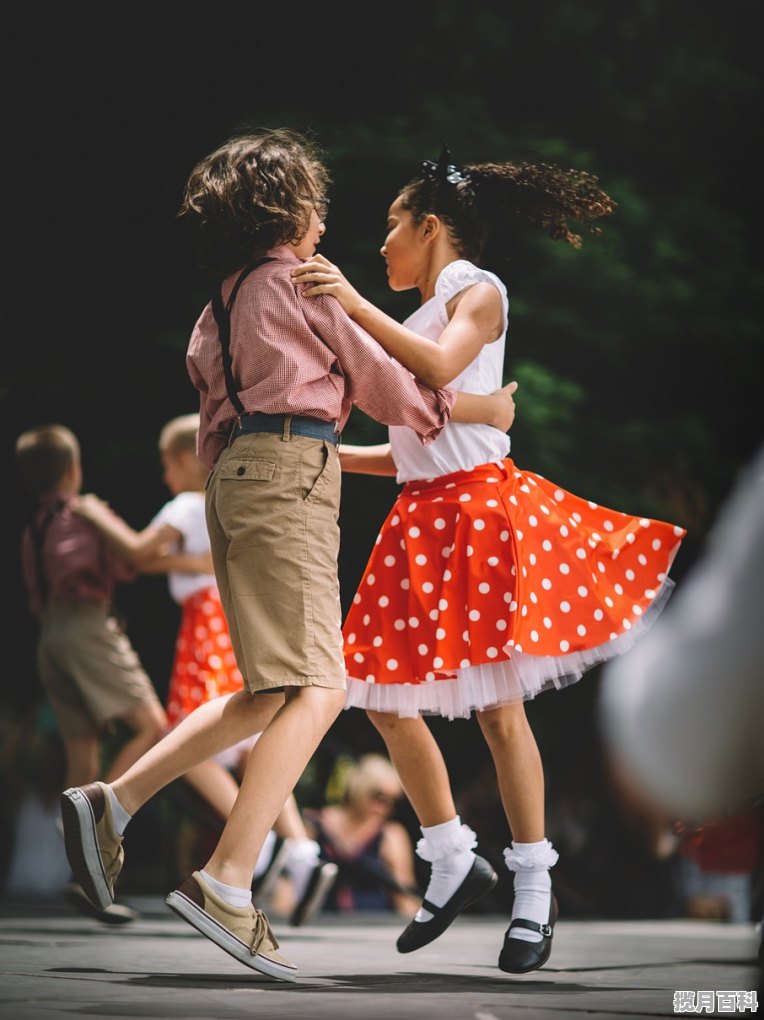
459,446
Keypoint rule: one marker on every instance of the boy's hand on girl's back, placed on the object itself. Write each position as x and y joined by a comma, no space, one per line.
505,407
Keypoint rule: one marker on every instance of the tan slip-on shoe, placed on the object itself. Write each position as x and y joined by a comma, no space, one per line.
93,848
243,932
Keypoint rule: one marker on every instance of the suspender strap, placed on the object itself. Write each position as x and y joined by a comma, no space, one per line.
222,313
38,540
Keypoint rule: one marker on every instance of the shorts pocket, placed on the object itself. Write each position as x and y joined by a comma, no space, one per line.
246,470
319,467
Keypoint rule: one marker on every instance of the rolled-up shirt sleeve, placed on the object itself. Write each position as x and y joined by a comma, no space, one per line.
375,383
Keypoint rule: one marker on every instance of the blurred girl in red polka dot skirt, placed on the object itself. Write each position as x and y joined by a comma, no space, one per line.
487,583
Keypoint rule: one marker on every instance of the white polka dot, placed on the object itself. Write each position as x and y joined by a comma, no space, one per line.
351,639
492,652
607,525
565,607
630,538
581,630
534,635
383,601
513,606
378,539
413,621
627,624
533,520
583,591
518,648
437,662
532,559
650,593
478,524
440,523
547,623
576,516
474,614
400,625
370,678
358,657
642,559
609,602
644,522
395,520
389,561
366,619
637,610
564,646
546,584
546,545
440,633
434,614
519,535
678,531
445,552
534,598
464,663
412,507
564,530
377,641
598,614
405,584
371,579
525,571
493,561
524,611
559,495
414,532
656,543
427,587
501,625
466,636
465,497
429,676
470,550
421,559
484,588
492,502
392,664
592,506
581,553
618,589
564,568
507,596
544,509
513,500
504,536
423,649
661,577
630,575
525,488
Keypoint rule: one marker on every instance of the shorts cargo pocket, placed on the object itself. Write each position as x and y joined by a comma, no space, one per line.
246,470
320,467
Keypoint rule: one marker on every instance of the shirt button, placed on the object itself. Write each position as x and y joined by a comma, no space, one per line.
240,470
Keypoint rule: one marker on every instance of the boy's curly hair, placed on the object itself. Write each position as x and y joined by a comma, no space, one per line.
488,196
253,192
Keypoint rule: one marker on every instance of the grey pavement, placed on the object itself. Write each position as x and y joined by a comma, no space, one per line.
57,964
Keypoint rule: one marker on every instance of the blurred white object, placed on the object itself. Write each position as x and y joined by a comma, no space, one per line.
682,713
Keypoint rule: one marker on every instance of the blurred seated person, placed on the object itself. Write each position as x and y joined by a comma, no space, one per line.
373,852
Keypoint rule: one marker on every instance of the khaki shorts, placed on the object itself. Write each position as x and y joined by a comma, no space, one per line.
272,516
88,669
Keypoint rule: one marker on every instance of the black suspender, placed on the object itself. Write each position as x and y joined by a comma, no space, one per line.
38,532
222,313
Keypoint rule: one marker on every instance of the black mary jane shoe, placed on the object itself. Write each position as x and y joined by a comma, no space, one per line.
518,956
481,878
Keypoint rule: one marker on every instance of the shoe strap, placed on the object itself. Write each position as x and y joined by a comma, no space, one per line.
521,922
426,905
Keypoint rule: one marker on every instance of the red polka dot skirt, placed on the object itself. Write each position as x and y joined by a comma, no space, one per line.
204,666
492,585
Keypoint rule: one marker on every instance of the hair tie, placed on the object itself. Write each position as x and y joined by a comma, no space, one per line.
444,171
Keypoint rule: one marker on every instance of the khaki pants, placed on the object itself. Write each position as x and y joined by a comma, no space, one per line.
272,514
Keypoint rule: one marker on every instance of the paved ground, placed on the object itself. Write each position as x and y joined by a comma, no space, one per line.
56,964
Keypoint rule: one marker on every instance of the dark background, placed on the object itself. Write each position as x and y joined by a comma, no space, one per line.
639,357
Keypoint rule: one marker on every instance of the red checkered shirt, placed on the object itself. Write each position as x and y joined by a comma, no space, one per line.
298,355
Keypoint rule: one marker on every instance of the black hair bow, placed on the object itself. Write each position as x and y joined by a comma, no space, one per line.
444,170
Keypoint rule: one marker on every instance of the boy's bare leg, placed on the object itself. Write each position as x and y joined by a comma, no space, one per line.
210,729
82,760
275,764
148,723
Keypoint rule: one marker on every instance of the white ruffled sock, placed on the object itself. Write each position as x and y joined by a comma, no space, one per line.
302,861
230,894
530,863
118,813
449,847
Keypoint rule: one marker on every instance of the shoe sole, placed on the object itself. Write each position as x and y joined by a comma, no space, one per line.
224,939
116,914
81,843
307,910
526,970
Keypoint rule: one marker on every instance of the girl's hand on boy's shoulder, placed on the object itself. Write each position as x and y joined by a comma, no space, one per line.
89,505
320,276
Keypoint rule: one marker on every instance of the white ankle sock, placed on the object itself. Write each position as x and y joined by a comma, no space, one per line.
530,863
230,894
449,848
118,813
301,863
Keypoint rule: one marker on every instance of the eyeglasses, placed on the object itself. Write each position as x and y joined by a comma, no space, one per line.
383,797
